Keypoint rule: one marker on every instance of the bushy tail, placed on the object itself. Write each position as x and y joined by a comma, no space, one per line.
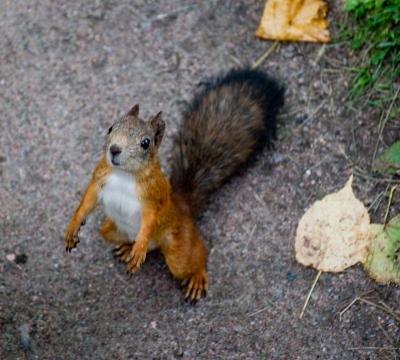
227,122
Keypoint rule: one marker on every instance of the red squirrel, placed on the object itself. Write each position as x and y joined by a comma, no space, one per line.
227,122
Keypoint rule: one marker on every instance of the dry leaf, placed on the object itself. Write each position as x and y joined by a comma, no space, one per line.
334,233
295,20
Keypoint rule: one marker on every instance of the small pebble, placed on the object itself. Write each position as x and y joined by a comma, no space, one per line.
291,276
24,335
316,84
278,158
10,257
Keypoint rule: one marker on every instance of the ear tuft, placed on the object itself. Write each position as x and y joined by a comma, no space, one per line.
134,111
158,125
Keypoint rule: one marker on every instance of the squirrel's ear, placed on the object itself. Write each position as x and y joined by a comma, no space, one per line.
158,125
134,111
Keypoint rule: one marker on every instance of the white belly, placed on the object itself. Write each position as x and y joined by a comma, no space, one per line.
121,203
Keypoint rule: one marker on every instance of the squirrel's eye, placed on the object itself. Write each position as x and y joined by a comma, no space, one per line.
109,130
145,143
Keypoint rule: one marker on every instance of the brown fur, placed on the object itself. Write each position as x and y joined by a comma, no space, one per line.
224,127
219,134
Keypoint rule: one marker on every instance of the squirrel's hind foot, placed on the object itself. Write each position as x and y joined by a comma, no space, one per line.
123,251
195,286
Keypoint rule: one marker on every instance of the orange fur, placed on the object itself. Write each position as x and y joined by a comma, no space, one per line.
227,122
166,219
87,205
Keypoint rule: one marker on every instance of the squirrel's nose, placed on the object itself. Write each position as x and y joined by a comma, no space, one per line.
115,150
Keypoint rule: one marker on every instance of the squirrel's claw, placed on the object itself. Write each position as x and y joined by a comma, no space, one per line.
123,252
136,257
71,239
71,246
197,286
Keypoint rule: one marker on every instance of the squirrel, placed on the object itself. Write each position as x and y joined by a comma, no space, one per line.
232,117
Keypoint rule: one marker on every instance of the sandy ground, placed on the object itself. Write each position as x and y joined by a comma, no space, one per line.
67,71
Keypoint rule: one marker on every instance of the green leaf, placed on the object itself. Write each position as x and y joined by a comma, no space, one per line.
383,262
393,229
378,56
383,86
386,44
391,159
351,4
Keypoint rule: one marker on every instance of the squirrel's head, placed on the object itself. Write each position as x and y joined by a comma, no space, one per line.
132,143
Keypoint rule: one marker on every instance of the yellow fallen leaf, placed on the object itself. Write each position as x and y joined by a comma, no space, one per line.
295,20
334,233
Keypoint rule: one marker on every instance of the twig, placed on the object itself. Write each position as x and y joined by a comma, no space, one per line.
375,348
382,307
377,201
353,302
365,53
372,178
310,117
321,52
329,70
171,13
271,304
235,59
382,124
385,308
348,307
343,152
388,338
319,162
309,294
392,190
265,55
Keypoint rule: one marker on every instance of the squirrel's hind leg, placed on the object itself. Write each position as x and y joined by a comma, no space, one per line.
110,232
186,257
123,251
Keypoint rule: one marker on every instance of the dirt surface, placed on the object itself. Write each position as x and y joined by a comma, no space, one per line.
68,70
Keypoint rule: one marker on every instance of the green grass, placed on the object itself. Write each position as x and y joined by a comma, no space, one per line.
373,31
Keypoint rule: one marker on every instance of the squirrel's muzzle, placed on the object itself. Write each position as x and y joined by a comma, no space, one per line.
115,150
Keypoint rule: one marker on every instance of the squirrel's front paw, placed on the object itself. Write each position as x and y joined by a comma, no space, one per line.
137,257
71,237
